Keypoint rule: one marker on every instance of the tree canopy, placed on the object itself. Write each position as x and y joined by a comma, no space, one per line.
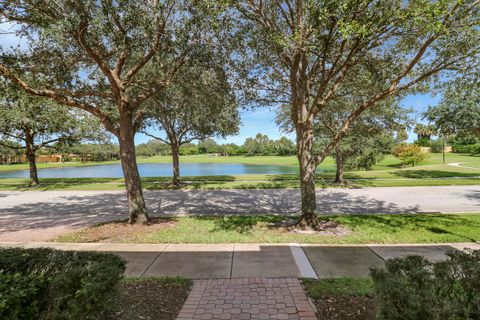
107,58
459,110
31,123
199,104
306,51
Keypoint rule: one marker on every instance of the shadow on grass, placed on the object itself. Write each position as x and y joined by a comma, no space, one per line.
429,174
47,184
193,182
432,223
240,224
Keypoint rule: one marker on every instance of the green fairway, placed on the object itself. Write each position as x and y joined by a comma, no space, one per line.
387,173
425,228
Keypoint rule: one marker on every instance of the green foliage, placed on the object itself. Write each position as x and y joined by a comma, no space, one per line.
437,146
422,142
231,149
153,148
92,152
469,148
463,139
48,124
409,154
208,146
200,104
459,110
424,132
413,288
364,151
262,145
284,147
10,155
188,149
51,284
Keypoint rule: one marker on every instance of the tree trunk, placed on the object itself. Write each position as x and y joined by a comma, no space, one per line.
30,155
340,165
136,203
308,218
175,163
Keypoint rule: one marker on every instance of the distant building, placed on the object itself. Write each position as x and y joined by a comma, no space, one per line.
46,158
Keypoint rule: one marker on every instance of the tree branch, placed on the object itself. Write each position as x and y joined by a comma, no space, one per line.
60,98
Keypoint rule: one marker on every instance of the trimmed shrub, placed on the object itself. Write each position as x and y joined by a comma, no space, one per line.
468,148
51,284
409,154
413,288
437,146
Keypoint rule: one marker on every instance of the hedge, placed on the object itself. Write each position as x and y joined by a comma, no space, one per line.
51,284
468,148
414,288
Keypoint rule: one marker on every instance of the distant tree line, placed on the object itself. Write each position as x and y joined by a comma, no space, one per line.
260,145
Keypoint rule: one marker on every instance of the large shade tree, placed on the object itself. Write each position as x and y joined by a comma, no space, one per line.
105,57
306,50
459,109
200,104
29,124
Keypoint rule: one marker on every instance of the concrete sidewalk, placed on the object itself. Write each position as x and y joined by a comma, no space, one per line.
226,261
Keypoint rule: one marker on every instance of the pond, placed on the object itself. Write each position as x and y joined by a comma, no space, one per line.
154,170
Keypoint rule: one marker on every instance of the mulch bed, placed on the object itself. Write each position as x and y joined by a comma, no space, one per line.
345,308
150,299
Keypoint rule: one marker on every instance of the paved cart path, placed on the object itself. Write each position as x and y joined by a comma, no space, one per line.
40,215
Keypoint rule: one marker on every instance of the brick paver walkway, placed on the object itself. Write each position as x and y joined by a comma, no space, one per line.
247,298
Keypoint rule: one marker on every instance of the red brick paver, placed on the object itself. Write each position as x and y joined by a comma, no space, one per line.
248,298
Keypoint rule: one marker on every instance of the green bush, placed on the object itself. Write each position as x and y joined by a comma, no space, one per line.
437,146
422,142
413,288
50,284
468,148
409,154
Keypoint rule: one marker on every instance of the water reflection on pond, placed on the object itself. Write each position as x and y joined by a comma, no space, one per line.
154,170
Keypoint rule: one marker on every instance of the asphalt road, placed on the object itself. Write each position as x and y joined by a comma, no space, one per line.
41,215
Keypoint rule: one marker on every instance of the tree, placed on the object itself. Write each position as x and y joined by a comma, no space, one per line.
152,148
306,50
361,150
284,147
9,155
459,110
93,152
259,145
207,145
30,123
370,138
424,134
105,57
192,109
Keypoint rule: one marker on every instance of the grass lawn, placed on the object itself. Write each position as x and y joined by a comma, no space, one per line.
342,298
356,229
387,173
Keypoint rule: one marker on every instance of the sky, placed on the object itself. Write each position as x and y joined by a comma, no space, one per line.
258,120
262,120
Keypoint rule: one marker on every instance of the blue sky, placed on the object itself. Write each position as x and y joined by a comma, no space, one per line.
262,120
258,120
